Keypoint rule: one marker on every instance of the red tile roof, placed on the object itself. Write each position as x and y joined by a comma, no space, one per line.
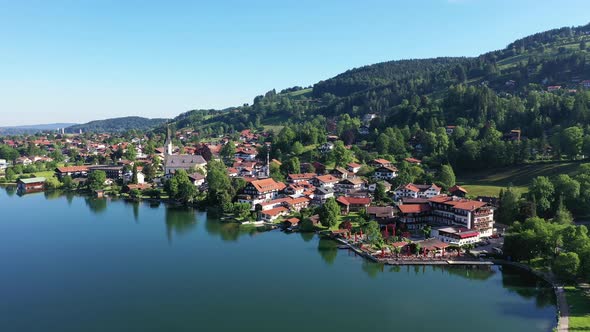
414,208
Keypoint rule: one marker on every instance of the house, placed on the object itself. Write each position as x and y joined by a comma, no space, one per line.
413,161
458,236
353,167
473,215
73,171
128,177
450,129
353,204
259,191
185,162
3,164
325,181
586,84
291,222
513,135
303,177
364,130
321,195
553,88
112,172
197,179
141,187
339,172
23,161
382,214
296,204
349,185
458,191
381,163
414,216
246,153
417,191
326,147
30,185
273,214
385,173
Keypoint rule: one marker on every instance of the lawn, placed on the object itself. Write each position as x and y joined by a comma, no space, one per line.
489,182
578,300
45,174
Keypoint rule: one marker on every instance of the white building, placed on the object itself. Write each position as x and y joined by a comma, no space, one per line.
456,235
3,163
411,190
385,173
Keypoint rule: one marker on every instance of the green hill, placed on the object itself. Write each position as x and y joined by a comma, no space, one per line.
116,125
434,92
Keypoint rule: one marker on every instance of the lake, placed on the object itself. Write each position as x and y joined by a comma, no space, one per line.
71,263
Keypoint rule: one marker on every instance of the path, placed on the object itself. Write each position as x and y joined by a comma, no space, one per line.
563,322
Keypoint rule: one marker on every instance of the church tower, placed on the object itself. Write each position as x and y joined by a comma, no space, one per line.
168,141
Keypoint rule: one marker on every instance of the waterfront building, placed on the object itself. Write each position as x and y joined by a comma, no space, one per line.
31,185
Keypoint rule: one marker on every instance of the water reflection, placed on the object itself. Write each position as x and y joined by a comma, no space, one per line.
230,231
306,236
53,194
514,280
96,205
179,220
372,269
328,250
135,211
10,190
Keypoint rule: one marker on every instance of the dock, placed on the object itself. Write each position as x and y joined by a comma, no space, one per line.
392,261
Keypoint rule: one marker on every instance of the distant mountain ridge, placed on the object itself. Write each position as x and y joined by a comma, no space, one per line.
15,130
116,125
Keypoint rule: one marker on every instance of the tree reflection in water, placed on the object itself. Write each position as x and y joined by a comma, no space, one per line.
528,285
328,250
96,205
307,236
179,220
229,231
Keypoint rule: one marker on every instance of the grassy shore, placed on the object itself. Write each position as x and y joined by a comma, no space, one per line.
489,182
578,300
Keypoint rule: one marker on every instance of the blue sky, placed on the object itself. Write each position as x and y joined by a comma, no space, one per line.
78,60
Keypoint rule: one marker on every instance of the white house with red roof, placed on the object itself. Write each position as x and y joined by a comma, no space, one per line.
259,191
417,191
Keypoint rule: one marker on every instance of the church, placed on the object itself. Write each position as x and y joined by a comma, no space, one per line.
187,162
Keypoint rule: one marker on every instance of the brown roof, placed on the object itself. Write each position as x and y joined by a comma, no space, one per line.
267,185
275,211
327,178
72,169
414,208
354,200
457,188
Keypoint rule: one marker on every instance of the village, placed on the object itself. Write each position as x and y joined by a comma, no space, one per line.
411,222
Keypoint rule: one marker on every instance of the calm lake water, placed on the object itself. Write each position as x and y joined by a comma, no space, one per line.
70,263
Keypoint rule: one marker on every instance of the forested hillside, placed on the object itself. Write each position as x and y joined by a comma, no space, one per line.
116,125
526,102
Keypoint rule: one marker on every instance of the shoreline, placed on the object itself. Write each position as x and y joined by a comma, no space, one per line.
561,301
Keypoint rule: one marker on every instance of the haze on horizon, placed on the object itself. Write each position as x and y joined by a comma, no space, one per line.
65,61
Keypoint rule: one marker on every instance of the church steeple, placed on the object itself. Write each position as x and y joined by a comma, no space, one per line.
168,141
